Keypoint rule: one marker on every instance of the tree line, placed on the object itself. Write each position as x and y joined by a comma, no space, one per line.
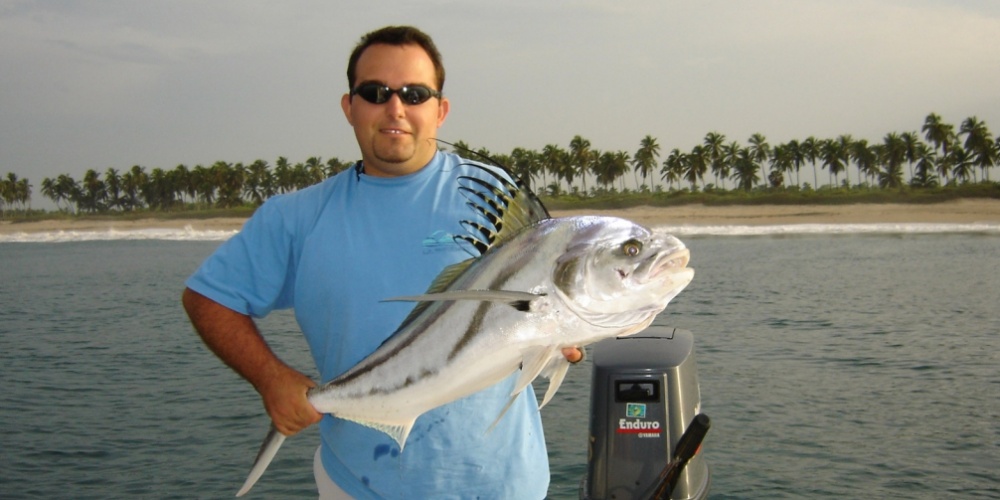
939,156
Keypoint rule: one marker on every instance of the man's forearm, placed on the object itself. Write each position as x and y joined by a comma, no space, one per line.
234,338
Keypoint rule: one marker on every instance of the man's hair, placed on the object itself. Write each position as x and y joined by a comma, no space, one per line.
397,35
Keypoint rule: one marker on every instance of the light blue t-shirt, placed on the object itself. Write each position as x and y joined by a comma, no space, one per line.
333,252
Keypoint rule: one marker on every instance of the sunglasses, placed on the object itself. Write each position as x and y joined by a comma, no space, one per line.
376,93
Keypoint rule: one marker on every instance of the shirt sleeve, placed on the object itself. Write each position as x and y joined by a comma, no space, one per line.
252,272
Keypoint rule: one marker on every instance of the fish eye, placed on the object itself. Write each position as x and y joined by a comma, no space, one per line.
631,248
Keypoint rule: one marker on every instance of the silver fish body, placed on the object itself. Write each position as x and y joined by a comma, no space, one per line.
564,282
551,284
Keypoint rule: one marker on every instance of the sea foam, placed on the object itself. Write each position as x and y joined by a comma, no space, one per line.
807,229
186,234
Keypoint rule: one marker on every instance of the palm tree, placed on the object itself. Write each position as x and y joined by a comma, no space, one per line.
911,142
961,163
158,192
810,151
524,164
781,162
300,176
334,166
93,191
979,142
759,149
926,159
555,161
133,183
829,152
695,166
283,178
113,188
893,156
7,190
714,143
49,191
844,142
798,158
581,155
745,169
673,168
315,170
866,158
258,182
937,132
70,191
229,180
730,157
645,159
611,166
205,184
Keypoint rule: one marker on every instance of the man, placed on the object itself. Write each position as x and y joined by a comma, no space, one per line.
333,252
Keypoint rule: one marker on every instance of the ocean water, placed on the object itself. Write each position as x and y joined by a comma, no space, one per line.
834,361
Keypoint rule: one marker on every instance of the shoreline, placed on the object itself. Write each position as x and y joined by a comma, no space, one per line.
965,211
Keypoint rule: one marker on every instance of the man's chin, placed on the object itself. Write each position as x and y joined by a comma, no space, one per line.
395,154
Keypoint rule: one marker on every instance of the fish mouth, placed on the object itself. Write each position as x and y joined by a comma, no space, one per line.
667,264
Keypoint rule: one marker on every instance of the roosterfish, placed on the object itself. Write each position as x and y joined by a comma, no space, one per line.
538,285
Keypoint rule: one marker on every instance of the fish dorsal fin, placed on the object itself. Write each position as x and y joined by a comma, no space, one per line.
507,207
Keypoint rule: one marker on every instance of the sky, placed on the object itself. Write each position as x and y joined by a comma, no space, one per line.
112,84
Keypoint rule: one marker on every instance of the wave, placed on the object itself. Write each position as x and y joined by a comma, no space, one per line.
190,234
186,234
820,229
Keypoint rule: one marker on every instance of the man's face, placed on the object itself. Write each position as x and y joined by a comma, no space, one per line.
395,138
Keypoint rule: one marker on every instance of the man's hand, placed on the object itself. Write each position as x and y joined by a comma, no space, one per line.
285,400
234,338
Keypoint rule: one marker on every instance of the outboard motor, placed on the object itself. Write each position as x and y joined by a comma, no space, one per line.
645,429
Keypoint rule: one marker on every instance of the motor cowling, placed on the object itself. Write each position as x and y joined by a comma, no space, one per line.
644,396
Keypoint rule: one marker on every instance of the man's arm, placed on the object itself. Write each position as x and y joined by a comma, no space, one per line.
234,338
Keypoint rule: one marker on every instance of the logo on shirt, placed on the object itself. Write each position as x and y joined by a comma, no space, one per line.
438,241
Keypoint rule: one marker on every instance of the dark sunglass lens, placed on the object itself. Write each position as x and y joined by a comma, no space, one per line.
379,94
373,93
415,95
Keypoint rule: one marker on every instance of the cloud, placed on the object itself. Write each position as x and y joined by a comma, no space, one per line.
116,83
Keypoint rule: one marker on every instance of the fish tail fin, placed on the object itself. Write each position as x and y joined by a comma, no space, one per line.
268,449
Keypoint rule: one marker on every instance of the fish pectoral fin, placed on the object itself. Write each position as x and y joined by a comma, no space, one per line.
398,432
533,362
555,372
518,300
268,449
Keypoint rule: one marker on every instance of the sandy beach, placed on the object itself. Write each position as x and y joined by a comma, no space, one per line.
956,212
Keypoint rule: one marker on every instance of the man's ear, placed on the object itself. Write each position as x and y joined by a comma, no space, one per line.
443,109
345,104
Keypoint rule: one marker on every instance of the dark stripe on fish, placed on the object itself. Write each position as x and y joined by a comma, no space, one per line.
498,283
389,355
